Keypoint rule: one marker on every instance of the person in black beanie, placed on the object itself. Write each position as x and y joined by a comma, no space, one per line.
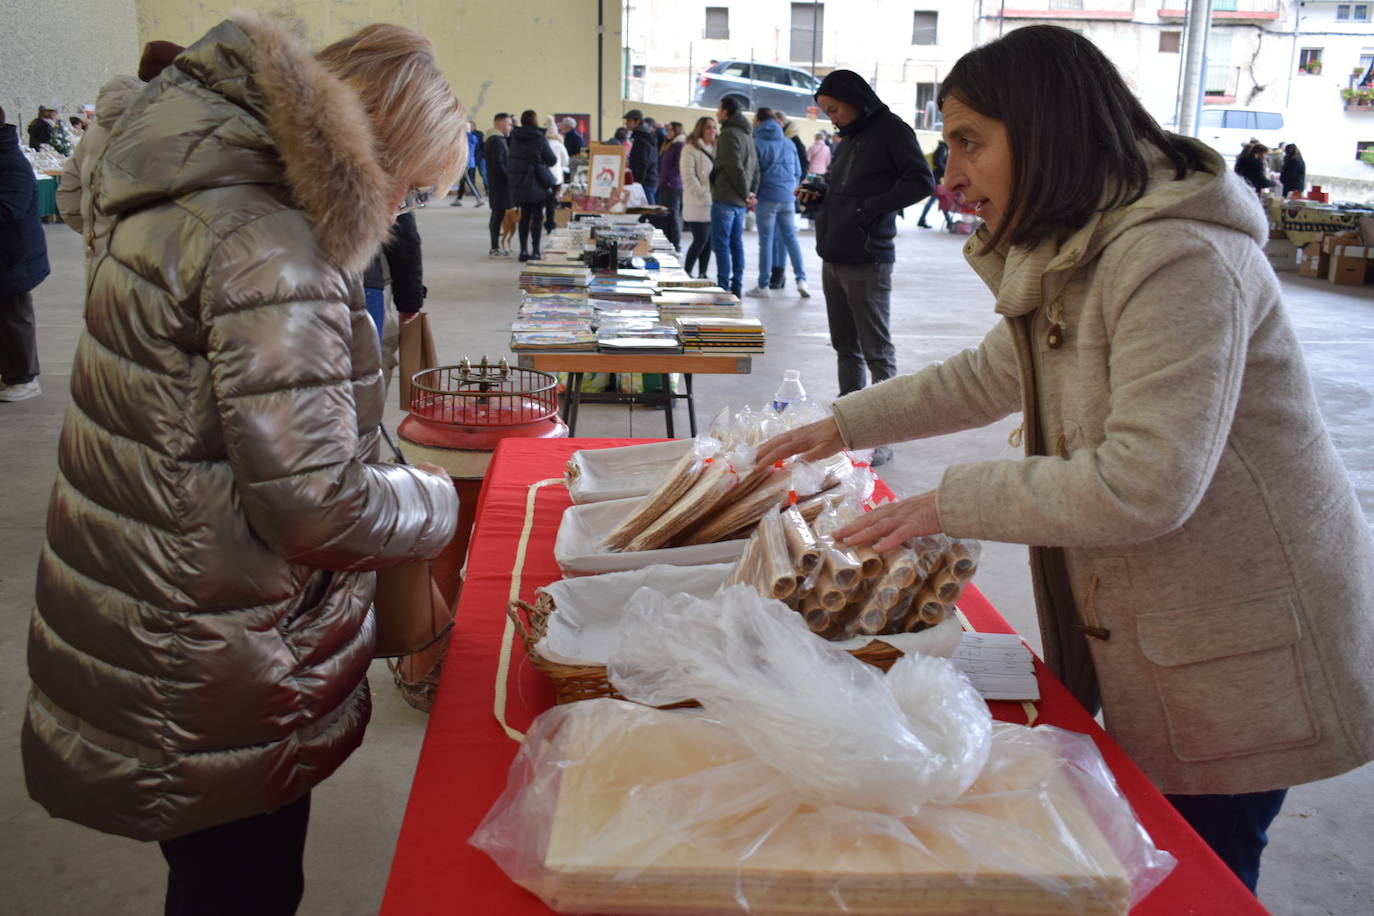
877,170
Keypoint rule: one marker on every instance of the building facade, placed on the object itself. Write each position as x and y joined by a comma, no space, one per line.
1289,56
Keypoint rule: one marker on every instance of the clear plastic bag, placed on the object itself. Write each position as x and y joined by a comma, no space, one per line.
613,807
755,666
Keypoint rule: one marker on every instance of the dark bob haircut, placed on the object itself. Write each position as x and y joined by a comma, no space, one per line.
1074,128
528,118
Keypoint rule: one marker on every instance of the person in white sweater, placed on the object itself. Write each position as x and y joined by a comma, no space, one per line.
698,157
560,172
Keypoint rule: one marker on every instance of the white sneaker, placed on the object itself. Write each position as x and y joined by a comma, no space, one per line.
760,292
21,392
802,290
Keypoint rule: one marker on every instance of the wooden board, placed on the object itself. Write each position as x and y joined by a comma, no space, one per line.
810,855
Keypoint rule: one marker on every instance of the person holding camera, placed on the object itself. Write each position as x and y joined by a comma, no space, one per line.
877,170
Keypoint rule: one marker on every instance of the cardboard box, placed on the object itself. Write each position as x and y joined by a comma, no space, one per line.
1332,239
1349,265
1315,262
1282,254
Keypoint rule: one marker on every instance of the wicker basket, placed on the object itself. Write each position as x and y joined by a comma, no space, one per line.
587,682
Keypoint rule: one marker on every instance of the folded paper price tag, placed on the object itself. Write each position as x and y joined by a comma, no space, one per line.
999,665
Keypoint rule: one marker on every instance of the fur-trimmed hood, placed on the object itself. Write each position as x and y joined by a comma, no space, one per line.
249,104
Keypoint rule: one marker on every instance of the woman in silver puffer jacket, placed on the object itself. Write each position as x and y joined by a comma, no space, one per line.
203,621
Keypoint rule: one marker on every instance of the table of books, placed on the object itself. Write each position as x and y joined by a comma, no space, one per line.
651,321
489,693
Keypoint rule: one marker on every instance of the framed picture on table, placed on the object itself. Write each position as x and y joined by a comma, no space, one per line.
606,165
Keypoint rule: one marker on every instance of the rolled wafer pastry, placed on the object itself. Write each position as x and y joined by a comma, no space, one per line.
746,568
844,567
947,585
680,478
872,620
828,594
885,594
962,557
926,606
779,575
930,549
933,615
714,483
903,566
871,563
801,541
862,589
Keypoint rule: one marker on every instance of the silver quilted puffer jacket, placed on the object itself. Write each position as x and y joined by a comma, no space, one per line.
203,621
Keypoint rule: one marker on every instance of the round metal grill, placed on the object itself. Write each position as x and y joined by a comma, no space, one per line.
484,394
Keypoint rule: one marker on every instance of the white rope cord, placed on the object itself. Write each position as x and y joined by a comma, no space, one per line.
508,635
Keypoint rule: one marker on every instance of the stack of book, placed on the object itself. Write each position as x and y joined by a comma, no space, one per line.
534,307
636,335
709,334
546,338
705,302
622,290
537,276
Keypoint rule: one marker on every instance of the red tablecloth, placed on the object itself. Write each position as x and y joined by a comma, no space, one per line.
463,763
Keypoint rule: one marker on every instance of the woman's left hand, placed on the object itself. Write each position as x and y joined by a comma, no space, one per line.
890,525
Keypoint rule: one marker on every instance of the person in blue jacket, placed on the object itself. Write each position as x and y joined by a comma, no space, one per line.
23,265
779,177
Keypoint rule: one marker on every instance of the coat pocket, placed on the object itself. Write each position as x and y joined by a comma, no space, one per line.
1229,676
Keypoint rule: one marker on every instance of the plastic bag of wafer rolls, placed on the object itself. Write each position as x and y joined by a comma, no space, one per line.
676,483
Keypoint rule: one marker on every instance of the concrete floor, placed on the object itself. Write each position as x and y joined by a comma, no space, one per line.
1321,859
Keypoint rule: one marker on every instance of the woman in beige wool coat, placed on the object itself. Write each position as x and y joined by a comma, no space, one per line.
1200,557
204,603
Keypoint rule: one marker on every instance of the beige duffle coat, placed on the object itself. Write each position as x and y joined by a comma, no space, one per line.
203,621
1197,540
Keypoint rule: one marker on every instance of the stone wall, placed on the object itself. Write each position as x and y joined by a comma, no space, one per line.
60,52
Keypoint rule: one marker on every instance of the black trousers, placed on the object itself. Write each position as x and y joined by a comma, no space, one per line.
699,252
672,226
18,340
531,222
498,213
550,208
858,299
252,865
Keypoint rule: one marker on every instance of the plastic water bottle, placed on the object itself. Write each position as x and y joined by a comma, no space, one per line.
789,392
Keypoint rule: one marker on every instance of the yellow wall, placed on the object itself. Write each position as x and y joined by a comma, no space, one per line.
500,55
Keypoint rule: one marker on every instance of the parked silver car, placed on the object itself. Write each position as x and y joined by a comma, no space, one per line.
757,85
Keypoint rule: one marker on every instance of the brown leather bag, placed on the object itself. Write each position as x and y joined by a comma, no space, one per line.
411,612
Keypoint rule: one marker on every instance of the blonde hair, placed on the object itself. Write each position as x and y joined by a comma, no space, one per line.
419,125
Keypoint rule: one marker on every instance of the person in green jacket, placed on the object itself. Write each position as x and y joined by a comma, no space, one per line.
734,179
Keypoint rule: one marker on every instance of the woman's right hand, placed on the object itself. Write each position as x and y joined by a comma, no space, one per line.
812,442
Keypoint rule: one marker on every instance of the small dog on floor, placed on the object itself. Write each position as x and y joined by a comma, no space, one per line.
509,223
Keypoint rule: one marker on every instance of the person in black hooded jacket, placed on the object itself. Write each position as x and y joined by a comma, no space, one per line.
531,180
643,153
877,170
